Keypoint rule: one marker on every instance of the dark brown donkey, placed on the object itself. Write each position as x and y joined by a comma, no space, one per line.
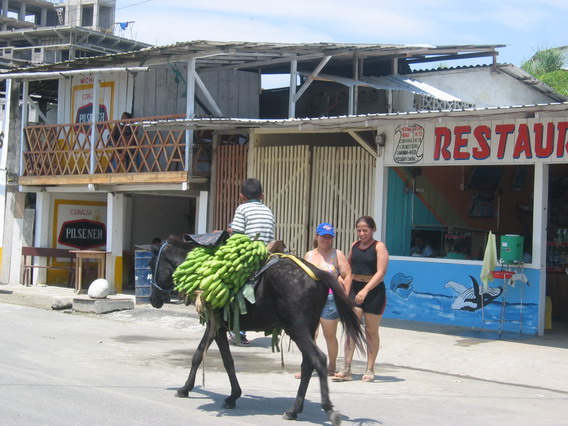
286,297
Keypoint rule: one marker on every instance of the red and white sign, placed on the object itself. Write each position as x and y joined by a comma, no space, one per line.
520,141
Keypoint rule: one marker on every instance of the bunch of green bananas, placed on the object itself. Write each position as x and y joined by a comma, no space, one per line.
221,275
186,277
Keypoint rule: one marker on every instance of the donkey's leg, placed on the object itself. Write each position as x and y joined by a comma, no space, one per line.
223,344
312,357
204,344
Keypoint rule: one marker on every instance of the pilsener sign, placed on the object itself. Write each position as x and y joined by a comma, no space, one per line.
82,234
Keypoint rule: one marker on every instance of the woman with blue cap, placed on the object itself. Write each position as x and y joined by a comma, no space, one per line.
326,257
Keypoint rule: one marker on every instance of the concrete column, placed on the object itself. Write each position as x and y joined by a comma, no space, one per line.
4,13
115,237
22,14
41,232
380,200
9,203
540,223
23,124
43,17
213,181
3,159
96,25
201,213
15,214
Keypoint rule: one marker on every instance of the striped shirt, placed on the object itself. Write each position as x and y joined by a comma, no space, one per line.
253,218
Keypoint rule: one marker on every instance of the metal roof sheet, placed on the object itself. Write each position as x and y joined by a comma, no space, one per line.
275,57
353,121
390,82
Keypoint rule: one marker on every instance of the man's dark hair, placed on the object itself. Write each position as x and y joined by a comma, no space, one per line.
251,188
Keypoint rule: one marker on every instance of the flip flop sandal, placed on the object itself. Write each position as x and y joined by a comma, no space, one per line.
368,377
342,376
331,373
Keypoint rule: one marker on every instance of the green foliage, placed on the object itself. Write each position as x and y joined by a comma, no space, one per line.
544,61
546,65
558,80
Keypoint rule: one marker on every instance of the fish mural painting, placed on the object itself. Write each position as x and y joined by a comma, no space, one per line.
472,298
401,284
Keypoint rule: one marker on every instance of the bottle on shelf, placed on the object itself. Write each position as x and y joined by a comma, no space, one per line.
561,257
555,258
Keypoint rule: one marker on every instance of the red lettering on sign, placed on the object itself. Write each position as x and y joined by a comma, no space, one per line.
523,142
503,130
562,145
442,143
482,135
540,150
461,142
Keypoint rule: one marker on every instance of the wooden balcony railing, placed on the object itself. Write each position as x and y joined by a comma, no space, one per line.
122,146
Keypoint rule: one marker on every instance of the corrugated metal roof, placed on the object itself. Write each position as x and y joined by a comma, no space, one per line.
390,82
276,57
354,121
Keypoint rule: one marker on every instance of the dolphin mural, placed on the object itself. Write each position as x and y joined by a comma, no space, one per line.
402,285
473,298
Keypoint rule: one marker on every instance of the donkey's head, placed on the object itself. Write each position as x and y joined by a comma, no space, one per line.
163,263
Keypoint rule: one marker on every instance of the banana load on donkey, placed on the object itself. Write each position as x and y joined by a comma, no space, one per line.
289,294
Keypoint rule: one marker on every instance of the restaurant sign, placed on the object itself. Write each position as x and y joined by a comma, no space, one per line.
526,141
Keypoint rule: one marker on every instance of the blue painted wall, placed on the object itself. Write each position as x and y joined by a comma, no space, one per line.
443,293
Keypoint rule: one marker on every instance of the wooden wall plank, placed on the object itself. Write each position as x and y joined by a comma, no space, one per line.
231,171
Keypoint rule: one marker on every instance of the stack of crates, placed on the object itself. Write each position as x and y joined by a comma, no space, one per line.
142,276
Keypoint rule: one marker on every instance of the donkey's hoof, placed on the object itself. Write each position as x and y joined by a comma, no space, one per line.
290,415
229,404
182,393
335,418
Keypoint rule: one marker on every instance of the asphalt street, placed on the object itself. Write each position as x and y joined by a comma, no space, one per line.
60,367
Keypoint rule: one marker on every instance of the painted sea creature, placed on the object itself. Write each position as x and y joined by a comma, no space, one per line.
402,285
473,298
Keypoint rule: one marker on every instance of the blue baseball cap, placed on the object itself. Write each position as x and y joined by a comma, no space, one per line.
325,229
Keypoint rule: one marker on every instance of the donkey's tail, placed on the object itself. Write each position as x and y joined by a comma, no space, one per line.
351,322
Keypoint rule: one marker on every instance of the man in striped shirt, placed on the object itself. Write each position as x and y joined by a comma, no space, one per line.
252,217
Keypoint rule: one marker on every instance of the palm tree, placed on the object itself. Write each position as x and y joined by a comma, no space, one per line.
544,61
548,66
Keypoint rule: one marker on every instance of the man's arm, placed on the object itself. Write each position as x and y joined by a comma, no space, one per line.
238,223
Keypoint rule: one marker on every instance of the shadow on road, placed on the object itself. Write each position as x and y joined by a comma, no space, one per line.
254,405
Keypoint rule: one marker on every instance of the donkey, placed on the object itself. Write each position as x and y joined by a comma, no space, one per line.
286,297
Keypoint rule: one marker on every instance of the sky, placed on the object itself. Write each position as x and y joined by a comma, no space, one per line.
523,26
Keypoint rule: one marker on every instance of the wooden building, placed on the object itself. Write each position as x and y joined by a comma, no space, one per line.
201,123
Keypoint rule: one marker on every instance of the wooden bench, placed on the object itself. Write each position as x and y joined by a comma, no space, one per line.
28,266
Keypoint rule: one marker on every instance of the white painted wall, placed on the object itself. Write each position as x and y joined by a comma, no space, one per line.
159,216
483,87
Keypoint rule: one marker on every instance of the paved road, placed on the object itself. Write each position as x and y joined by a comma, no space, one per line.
61,368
